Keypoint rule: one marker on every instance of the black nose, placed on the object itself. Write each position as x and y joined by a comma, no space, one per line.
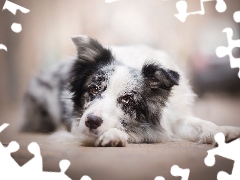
93,122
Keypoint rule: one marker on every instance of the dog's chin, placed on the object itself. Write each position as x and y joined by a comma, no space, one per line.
88,139
86,136
91,133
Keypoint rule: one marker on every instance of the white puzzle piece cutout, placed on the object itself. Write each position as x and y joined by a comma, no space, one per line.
177,171
182,9
222,51
2,46
110,1
64,164
159,178
227,150
17,28
4,126
7,164
33,168
85,178
12,7
236,16
34,165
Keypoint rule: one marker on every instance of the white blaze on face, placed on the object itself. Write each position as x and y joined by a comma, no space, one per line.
118,81
106,108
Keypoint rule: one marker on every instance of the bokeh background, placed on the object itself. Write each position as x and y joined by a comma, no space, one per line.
45,40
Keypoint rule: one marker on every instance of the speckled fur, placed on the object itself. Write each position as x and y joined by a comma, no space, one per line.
158,106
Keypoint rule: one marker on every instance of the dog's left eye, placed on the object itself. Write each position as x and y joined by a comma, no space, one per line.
127,99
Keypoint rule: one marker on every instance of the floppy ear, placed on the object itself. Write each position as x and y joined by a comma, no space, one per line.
90,50
158,77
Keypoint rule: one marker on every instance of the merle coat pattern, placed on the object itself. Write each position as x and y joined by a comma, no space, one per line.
117,95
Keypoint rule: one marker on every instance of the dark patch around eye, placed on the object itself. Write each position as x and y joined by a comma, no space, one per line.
93,92
98,86
141,110
128,103
127,99
124,124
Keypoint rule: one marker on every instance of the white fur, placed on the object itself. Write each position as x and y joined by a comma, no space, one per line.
106,107
177,119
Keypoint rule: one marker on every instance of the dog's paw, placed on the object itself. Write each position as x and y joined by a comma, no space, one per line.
112,138
231,133
206,138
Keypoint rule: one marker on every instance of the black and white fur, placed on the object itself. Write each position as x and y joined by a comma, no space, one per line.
117,95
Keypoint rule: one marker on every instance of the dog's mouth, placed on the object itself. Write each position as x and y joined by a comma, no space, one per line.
94,131
91,133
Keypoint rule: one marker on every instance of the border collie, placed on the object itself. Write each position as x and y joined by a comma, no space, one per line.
117,95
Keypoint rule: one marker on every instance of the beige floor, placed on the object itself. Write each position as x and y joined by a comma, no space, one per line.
135,162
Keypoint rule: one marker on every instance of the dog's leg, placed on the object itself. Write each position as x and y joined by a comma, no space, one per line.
112,137
201,131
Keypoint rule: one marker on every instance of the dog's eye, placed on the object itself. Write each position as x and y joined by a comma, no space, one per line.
127,99
94,90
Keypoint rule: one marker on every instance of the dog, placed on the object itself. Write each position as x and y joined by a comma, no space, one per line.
112,96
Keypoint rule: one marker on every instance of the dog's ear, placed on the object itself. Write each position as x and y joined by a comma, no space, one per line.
90,56
158,77
90,50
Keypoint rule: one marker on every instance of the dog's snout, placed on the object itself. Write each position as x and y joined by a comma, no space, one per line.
93,122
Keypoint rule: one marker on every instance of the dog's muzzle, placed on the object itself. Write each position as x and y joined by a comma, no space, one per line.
93,122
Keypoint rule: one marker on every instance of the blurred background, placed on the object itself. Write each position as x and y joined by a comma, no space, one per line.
45,38
47,28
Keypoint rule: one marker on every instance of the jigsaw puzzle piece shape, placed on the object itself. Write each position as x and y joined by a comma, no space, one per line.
221,6
12,7
226,150
110,1
17,28
223,51
88,178
5,125
177,171
64,165
236,167
2,46
224,176
35,164
182,11
210,159
13,147
157,178
7,164
53,175
236,16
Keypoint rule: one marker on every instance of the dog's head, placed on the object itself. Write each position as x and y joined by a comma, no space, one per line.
108,94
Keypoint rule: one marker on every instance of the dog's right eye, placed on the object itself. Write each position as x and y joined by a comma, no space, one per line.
94,90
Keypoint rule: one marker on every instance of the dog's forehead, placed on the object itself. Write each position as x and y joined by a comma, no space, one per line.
123,79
